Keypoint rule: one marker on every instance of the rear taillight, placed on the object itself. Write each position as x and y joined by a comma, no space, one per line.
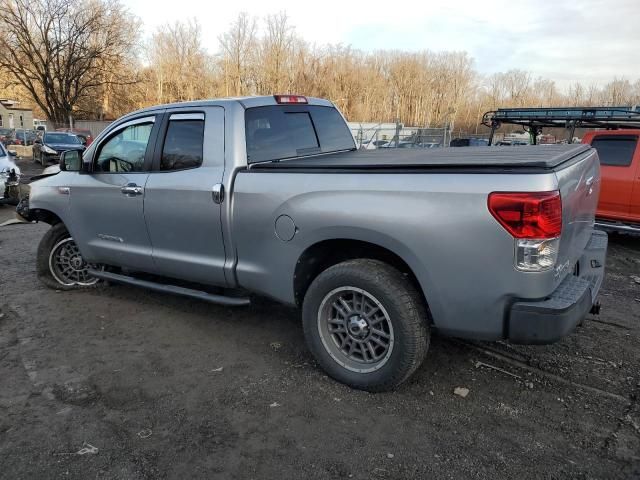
534,219
528,215
290,99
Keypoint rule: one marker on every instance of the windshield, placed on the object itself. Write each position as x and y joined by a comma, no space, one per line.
61,138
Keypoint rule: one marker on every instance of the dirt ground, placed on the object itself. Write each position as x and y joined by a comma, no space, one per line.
122,383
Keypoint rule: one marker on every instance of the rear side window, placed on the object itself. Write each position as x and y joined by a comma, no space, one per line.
615,150
279,132
182,145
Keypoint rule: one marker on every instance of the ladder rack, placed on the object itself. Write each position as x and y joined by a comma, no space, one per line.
534,119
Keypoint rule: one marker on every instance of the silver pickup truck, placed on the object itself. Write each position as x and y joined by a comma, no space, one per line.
269,195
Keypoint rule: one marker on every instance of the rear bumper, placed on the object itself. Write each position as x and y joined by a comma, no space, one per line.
548,320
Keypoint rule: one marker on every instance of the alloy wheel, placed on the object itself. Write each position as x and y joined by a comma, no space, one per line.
355,329
67,265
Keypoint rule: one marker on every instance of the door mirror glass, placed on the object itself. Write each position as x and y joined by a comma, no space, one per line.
70,161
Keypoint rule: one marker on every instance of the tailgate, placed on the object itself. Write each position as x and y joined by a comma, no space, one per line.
579,185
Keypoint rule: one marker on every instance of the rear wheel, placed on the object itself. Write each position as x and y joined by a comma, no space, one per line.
60,264
366,324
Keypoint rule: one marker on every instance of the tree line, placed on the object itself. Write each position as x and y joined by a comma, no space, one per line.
87,59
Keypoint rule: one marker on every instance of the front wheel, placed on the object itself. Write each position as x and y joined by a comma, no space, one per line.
59,263
366,324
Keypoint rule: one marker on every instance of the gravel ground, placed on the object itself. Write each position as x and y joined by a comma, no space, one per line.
118,382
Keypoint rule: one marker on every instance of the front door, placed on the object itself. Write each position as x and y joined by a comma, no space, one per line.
182,216
107,205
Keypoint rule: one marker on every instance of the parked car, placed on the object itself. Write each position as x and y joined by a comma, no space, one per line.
50,145
619,152
6,136
24,137
270,195
469,142
373,144
83,134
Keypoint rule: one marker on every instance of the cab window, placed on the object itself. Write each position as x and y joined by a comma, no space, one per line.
182,144
279,132
125,151
615,150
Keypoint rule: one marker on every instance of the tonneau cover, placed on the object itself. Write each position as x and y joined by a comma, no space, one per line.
533,156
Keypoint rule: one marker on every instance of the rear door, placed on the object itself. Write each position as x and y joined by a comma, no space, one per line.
181,211
616,152
107,204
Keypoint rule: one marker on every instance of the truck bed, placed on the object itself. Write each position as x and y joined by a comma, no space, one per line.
533,157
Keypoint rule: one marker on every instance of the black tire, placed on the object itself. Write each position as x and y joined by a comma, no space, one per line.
42,161
407,314
51,240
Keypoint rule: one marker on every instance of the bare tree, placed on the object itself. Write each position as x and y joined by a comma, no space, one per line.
616,93
276,54
180,67
61,51
237,45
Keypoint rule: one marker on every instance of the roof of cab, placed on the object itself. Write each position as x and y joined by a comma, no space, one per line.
246,102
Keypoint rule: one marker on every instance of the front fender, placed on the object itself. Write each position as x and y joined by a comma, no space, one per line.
48,200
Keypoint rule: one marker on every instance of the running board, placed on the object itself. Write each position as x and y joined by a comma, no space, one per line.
160,287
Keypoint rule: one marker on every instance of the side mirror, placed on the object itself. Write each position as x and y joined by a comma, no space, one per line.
70,161
12,153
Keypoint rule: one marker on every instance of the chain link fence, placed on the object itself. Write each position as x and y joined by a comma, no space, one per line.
370,136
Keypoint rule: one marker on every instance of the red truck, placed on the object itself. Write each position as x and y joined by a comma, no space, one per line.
619,152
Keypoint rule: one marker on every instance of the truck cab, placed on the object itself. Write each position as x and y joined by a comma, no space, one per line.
619,152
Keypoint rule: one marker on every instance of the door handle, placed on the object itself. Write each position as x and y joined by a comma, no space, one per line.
217,192
589,181
132,189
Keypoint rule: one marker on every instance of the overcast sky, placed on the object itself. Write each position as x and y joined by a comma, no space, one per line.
591,41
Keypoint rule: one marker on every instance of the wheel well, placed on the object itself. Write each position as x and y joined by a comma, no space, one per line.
44,216
320,256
